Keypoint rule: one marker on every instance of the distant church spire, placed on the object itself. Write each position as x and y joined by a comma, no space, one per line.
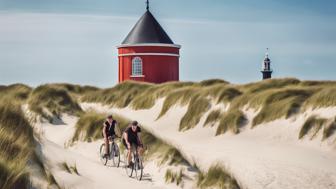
147,5
266,68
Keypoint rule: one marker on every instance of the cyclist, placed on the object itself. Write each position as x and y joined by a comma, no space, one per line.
109,133
131,137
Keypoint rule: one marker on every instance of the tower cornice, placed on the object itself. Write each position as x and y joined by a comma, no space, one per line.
150,45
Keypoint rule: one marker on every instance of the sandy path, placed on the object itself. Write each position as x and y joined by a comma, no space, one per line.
269,156
93,175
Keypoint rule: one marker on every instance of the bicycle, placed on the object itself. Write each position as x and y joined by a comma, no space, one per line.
137,164
114,153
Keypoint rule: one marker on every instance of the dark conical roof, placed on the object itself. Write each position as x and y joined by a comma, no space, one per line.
147,30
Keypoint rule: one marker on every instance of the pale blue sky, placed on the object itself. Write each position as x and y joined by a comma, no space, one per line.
75,41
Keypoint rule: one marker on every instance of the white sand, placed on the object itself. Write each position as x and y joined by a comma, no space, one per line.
93,175
268,156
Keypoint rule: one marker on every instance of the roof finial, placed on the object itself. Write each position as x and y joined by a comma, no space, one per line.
147,3
267,52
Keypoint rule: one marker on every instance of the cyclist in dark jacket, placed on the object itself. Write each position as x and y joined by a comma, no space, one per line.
131,137
109,132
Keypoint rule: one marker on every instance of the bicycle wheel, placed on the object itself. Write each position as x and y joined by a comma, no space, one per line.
102,153
129,170
115,155
138,167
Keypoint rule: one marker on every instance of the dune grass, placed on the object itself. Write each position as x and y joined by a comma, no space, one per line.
75,89
74,169
52,181
65,167
49,101
211,82
274,98
269,84
147,98
144,96
69,169
89,128
170,155
15,92
138,95
17,146
330,129
174,177
228,94
280,103
216,177
119,96
313,122
231,120
180,96
323,98
197,107
213,117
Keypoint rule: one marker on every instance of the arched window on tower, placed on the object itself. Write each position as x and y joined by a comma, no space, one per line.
137,66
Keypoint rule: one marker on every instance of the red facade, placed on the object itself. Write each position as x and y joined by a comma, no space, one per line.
159,63
148,54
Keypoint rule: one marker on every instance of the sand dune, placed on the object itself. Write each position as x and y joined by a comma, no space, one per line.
268,156
92,174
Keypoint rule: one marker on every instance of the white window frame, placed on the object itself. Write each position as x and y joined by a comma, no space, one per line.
137,66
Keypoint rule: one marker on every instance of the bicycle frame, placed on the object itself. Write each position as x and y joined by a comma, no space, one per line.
138,164
114,152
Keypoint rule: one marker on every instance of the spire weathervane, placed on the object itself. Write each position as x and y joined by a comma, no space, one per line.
147,3
267,52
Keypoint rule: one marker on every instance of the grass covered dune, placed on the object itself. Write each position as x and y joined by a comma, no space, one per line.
18,150
19,154
17,147
275,99
88,128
